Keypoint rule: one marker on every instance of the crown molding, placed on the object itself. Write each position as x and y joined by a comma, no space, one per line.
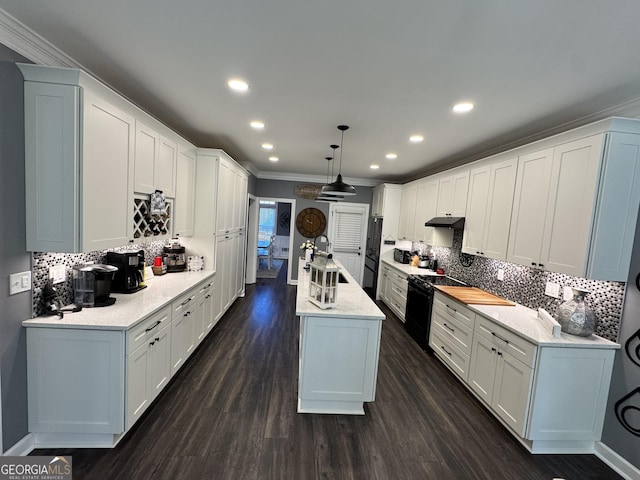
322,179
21,39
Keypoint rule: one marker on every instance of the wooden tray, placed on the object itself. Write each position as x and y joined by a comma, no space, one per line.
475,296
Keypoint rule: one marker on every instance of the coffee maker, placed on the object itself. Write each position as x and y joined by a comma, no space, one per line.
130,274
92,285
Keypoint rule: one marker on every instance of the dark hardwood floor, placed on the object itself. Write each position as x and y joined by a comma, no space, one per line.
230,413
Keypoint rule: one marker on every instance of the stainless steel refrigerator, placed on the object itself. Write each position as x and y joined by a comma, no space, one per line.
372,256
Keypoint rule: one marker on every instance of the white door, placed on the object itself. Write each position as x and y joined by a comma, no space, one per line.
348,236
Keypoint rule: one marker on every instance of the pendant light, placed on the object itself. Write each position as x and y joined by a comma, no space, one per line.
323,197
339,188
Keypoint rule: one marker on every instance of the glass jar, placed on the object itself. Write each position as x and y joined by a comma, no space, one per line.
575,316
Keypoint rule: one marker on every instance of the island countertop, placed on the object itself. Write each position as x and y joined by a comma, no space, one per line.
352,300
129,309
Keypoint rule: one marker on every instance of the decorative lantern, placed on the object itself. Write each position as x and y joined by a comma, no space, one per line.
323,280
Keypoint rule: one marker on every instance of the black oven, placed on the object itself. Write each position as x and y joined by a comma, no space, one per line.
420,305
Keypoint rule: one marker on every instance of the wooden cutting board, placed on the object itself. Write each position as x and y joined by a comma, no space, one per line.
474,296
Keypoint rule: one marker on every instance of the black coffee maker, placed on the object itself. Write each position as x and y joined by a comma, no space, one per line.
128,278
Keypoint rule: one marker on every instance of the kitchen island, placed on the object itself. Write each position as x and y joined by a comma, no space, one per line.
339,349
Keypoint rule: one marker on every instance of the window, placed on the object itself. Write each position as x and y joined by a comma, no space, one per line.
267,220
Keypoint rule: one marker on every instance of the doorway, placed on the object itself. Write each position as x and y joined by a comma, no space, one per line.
348,236
270,237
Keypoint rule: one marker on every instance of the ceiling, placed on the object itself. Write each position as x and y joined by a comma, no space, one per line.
386,69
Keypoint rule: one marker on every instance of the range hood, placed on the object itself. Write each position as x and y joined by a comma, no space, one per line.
446,222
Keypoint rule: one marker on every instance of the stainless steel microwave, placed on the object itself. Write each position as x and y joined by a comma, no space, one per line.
401,256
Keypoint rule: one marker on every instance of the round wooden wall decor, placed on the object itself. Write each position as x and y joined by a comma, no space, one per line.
311,222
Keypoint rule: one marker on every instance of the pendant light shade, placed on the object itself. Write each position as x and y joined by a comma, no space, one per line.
323,197
339,188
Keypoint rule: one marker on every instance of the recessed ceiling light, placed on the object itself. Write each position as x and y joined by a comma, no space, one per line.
374,167
267,146
238,85
462,107
416,138
273,159
391,156
257,124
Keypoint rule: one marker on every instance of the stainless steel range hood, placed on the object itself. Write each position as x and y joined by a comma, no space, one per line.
446,222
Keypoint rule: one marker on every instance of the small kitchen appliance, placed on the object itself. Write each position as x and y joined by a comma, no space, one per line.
174,257
401,256
130,274
92,285
428,262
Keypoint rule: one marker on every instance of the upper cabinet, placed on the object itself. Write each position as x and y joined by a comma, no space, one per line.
452,193
185,191
79,151
488,212
156,161
407,211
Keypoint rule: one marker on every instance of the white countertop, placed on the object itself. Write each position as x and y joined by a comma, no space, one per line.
129,309
387,259
352,300
524,321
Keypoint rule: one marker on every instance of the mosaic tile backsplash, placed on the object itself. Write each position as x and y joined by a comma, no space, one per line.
526,285
41,262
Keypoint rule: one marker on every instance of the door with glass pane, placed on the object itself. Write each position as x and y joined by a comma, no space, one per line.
348,236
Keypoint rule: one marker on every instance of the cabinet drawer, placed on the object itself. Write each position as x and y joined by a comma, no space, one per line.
139,334
506,340
399,290
184,303
458,334
451,355
452,310
205,288
399,304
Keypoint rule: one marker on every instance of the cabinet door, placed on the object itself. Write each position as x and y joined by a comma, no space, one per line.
165,167
199,321
474,225
571,206
511,392
107,175
499,202
147,147
209,309
137,392
530,207
482,372
407,211
426,209
377,205
452,194
185,193
159,371
224,207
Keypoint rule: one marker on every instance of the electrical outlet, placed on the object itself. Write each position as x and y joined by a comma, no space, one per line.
57,274
19,282
552,289
500,275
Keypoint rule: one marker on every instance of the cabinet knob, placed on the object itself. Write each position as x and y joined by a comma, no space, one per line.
541,265
533,264
157,339
151,343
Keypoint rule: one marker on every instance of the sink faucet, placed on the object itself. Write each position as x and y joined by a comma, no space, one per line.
326,240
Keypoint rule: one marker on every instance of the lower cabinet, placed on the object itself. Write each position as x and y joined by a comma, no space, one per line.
148,363
183,329
393,291
551,397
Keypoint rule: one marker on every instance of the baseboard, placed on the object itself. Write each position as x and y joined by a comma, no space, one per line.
619,464
22,448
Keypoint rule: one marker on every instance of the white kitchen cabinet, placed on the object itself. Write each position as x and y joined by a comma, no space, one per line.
183,329
207,292
426,208
451,333
185,192
377,203
408,211
156,160
148,363
501,372
452,193
393,289
488,213
54,373
76,142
